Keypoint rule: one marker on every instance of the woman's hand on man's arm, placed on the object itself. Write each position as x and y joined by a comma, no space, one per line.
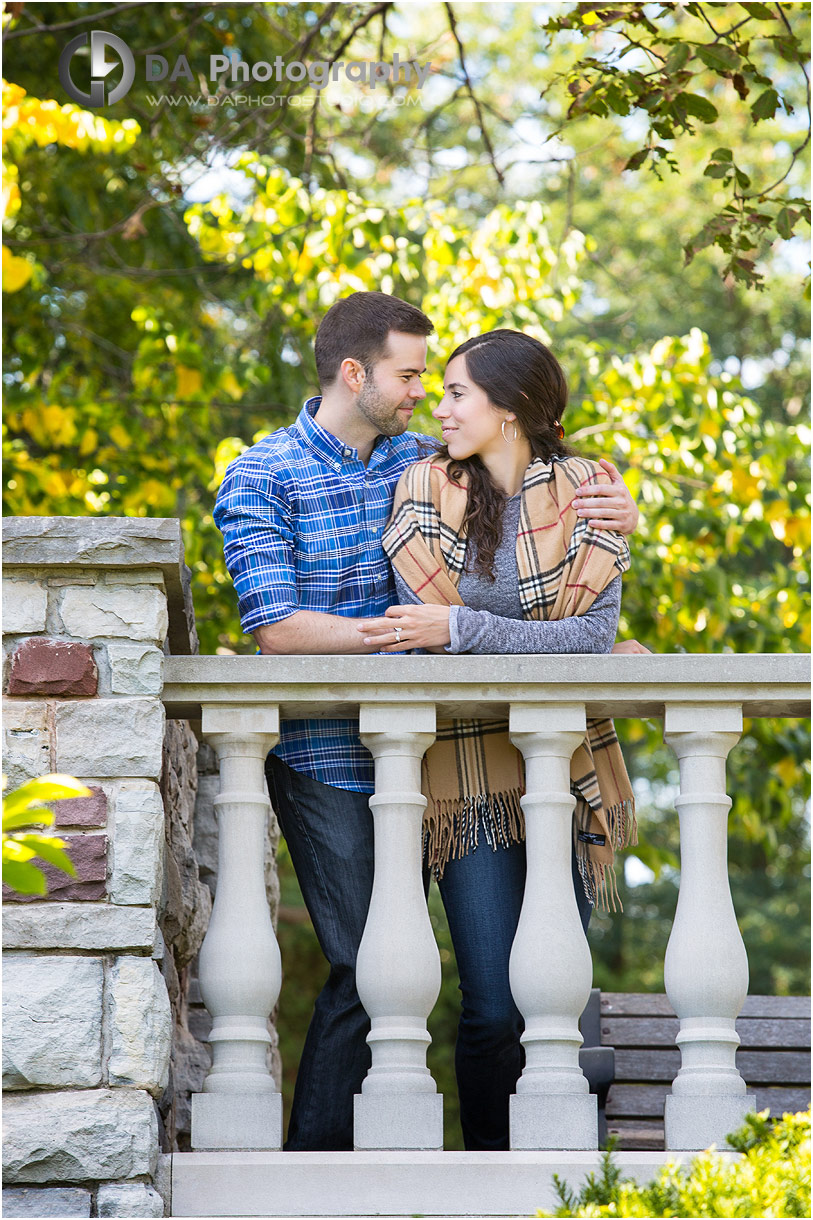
419,626
608,505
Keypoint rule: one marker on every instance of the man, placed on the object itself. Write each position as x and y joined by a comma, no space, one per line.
302,513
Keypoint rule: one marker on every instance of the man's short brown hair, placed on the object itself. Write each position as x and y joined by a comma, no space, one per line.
357,328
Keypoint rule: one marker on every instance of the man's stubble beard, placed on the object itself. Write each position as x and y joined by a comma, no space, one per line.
382,414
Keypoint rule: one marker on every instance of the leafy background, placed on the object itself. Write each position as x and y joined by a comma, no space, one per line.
165,266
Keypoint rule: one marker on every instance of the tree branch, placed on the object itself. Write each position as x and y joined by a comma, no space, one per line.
69,25
472,94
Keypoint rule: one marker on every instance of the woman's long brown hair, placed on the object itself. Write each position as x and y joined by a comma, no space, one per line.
521,375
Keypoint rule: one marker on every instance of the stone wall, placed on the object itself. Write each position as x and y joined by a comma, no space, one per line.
97,1055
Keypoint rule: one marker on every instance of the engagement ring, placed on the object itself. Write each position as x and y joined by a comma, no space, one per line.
398,635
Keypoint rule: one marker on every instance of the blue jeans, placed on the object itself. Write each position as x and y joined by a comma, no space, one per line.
482,893
329,832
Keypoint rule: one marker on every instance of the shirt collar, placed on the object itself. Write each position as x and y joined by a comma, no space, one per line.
327,446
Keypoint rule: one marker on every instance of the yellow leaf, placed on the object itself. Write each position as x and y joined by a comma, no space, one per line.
797,531
16,271
120,437
188,381
89,442
788,772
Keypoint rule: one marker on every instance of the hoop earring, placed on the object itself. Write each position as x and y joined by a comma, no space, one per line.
516,432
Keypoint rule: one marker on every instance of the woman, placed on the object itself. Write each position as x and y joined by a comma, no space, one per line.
490,556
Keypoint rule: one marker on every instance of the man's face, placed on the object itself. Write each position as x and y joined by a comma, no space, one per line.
393,387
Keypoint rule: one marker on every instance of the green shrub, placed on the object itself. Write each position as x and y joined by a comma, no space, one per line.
772,1178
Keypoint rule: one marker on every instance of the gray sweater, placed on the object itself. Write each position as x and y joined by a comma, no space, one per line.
490,620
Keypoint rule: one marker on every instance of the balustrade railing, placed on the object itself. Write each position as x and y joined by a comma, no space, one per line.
702,701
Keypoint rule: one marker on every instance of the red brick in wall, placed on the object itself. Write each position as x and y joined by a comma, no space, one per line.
53,667
89,855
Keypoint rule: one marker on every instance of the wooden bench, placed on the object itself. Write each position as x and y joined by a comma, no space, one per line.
773,1057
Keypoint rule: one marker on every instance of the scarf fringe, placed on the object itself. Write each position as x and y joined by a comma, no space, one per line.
599,883
622,824
452,828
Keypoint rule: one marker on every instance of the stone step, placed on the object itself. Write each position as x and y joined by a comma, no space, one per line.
356,1184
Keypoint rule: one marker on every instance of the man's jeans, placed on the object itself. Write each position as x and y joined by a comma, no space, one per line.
329,832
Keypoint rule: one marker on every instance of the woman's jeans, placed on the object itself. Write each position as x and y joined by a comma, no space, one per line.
482,893
329,832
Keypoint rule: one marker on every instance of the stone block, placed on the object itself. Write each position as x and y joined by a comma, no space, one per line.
110,737
140,1021
191,1062
696,1121
47,1201
132,612
398,1121
179,782
80,1136
186,902
128,1199
240,1122
25,604
135,669
205,836
52,1022
89,856
143,576
26,741
138,844
82,810
53,667
68,925
553,1120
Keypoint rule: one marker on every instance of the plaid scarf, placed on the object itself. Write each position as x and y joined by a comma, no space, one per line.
473,773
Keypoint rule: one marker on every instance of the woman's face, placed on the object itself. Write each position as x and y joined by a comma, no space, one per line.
469,422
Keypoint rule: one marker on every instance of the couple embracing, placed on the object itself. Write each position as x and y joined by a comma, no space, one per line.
347,533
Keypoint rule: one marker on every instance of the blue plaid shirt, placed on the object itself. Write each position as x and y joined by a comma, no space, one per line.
302,518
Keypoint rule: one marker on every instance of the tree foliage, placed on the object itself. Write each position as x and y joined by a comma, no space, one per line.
670,67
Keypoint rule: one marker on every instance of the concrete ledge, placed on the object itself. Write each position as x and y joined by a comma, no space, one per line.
388,1183
634,685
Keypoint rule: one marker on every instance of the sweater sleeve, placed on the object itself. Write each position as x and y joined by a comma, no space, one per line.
479,631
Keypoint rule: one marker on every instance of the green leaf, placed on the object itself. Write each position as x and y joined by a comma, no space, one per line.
716,170
765,105
637,159
679,56
24,878
36,815
54,787
51,850
720,56
785,222
698,106
760,11
722,154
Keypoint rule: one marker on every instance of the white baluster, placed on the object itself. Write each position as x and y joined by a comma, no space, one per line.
398,965
240,971
551,969
706,968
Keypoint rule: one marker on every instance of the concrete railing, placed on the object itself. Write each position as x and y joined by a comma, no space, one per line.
702,701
